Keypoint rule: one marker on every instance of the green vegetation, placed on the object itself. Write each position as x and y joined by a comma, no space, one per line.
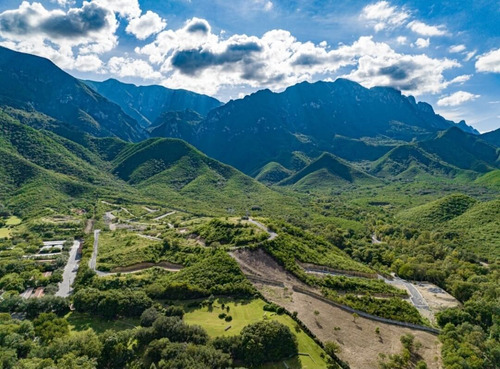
246,312
230,233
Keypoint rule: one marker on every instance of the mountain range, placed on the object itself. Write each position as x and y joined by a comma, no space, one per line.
79,136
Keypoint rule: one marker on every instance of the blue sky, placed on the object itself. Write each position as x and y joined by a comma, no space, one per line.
444,52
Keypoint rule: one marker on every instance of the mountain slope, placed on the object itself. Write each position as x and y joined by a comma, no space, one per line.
31,83
327,171
438,211
273,173
147,103
173,170
176,124
449,153
463,150
253,131
492,137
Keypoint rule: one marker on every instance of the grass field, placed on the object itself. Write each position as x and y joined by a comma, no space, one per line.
13,221
245,312
4,232
82,322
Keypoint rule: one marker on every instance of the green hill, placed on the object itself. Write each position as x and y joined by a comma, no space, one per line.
173,170
325,172
490,179
438,211
272,173
479,228
410,162
463,150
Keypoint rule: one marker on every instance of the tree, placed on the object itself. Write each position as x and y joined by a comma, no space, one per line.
354,317
266,341
48,327
149,316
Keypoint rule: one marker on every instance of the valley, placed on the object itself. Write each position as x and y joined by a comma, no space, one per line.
335,225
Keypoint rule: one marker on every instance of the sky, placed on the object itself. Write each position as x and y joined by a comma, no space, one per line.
446,53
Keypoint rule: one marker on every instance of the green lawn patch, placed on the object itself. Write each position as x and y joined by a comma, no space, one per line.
82,322
13,221
4,232
245,312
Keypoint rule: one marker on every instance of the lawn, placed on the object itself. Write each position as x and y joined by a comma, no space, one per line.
82,322
4,232
13,221
245,312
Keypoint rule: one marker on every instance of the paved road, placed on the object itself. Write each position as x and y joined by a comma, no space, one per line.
272,235
164,215
93,258
70,271
416,297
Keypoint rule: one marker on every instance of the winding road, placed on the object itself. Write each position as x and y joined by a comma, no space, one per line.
272,235
93,260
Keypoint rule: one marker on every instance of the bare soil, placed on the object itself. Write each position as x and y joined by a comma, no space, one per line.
360,345
437,298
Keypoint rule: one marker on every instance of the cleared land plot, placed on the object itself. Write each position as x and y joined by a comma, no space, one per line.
122,248
247,312
360,345
437,298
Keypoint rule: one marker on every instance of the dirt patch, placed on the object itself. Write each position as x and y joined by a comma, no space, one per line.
89,226
437,298
360,345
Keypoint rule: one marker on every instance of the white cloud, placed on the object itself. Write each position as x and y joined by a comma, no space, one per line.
60,35
128,67
470,55
88,63
146,25
457,98
461,79
426,30
413,74
126,8
422,42
382,15
456,48
63,2
401,40
489,62
193,57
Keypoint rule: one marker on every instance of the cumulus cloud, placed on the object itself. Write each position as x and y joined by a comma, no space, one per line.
456,48
125,8
457,98
382,15
426,30
422,42
59,34
401,40
194,57
146,25
129,67
489,62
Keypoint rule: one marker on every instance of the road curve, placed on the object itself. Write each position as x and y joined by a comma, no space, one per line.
272,235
